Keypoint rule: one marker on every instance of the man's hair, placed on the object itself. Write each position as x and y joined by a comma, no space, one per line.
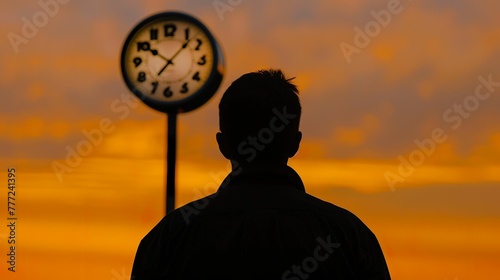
256,108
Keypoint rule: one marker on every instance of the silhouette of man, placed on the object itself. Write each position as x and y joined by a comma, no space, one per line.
260,224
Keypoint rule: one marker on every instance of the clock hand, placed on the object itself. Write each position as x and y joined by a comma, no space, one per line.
147,47
164,67
170,61
156,53
184,45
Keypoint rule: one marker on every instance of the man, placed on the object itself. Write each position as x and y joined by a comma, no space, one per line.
260,224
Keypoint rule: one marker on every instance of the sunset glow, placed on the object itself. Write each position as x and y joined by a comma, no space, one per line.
399,127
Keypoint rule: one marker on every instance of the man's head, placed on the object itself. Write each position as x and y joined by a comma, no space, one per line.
259,117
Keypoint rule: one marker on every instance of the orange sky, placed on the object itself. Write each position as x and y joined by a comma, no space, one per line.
363,117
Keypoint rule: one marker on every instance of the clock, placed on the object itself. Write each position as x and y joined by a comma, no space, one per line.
172,62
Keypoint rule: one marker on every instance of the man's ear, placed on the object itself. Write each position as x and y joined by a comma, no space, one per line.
224,146
295,143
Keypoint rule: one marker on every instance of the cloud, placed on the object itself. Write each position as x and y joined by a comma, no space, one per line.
395,91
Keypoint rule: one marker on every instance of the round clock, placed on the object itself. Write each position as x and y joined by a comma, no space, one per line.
172,62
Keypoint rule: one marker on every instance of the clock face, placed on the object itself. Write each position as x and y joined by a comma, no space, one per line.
172,62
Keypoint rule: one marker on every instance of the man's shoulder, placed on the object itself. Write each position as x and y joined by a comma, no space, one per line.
329,210
295,202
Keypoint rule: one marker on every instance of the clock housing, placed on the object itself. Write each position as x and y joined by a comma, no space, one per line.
172,62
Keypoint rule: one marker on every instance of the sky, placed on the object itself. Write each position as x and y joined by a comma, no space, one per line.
399,105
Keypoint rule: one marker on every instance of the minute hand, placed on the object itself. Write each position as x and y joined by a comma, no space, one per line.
169,61
184,45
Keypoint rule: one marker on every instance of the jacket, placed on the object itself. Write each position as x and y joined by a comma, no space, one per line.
260,224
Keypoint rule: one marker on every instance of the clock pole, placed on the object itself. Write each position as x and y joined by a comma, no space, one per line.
171,158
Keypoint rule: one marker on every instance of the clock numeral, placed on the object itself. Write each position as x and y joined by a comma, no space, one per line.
142,77
170,29
186,33
199,44
203,60
196,76
167,92
155,86
137,61
184,88
153,34
143,46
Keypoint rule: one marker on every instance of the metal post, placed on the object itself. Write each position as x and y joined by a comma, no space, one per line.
171,155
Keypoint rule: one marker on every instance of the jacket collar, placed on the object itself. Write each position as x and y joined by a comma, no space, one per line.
263,174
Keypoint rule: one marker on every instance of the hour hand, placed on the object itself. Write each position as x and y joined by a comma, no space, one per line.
145,46
156,53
